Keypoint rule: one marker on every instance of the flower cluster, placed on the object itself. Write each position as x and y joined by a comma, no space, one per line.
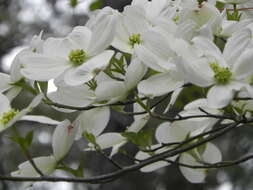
153,50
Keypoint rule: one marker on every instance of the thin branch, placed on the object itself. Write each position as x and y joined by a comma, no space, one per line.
214,165
51,103
28,156
114,175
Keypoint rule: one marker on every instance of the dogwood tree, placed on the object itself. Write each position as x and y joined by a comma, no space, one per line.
154,52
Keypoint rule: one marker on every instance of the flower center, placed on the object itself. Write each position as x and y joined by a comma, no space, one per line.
7,116
222,75
77,57
134,39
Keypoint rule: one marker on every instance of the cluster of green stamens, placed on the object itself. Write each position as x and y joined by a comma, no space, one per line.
134,39
222,75
7,116
77,57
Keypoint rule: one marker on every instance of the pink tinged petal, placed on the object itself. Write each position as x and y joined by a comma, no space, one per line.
93,121
42,68
134,73
102,34
236,45
4,82
244,65
150,59
159,84
212,154
219,96
63,138
169,133
192,175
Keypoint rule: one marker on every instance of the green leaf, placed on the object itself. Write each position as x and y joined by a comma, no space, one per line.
143,138
73,3
90,137
28,139
75,172
96,5
219,5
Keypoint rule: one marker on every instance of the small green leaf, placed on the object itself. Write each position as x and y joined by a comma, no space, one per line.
28,139
73,3
96,5
219,5
90,137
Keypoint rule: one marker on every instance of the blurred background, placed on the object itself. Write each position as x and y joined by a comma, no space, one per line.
19,21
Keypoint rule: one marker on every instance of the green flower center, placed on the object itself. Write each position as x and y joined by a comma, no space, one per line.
222,75
134,39
7,116
77,57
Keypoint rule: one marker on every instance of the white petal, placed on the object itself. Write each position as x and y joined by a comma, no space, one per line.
244,67
150,59
88,69
159,84
102,34
46,164
42,68
108,140
59,47
196,71
93,121
236,45
168,133
211,154
4,104
219,96
192,175
4,82
134,73
81,35
111,91
40,119
63,138
151,167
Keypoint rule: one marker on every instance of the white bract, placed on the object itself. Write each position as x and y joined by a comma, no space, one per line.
188,54
80,56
